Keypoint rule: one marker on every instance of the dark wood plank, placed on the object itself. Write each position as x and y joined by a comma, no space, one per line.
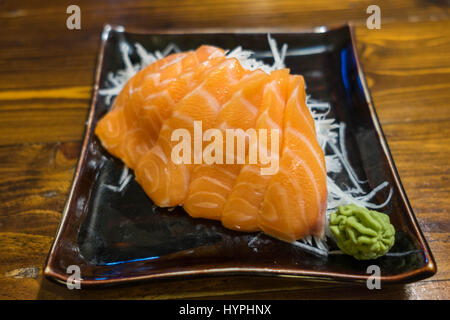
407,68
34,182
436,290
222,13
48,51
52,120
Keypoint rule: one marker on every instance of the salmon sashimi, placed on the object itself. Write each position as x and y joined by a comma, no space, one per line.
295,201
212,182
171,124
163,180
147,100
243,204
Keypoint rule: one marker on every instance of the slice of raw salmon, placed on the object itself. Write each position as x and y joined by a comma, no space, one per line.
244,201
165,181
295,201
211,183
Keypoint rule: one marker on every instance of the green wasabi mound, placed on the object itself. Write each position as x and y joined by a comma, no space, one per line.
362,233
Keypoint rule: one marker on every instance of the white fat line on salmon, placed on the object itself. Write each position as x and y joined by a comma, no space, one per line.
237,143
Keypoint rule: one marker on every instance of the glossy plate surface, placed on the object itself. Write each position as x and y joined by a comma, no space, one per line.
117,237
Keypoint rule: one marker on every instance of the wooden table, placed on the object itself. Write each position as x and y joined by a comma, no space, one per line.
45,89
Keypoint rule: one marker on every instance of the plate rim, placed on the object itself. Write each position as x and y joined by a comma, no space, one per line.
415,275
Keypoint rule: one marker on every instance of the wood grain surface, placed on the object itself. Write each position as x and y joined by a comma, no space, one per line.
46,82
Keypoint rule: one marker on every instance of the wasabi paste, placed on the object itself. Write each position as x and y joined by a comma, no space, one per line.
362,233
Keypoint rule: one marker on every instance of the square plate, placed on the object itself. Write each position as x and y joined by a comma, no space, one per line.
118,237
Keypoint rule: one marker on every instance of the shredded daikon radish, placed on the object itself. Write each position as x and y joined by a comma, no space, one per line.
125,178
146,57
247,61
253,241
344,150
278,57
330,133
310,248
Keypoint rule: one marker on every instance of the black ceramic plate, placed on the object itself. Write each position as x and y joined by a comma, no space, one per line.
117,237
